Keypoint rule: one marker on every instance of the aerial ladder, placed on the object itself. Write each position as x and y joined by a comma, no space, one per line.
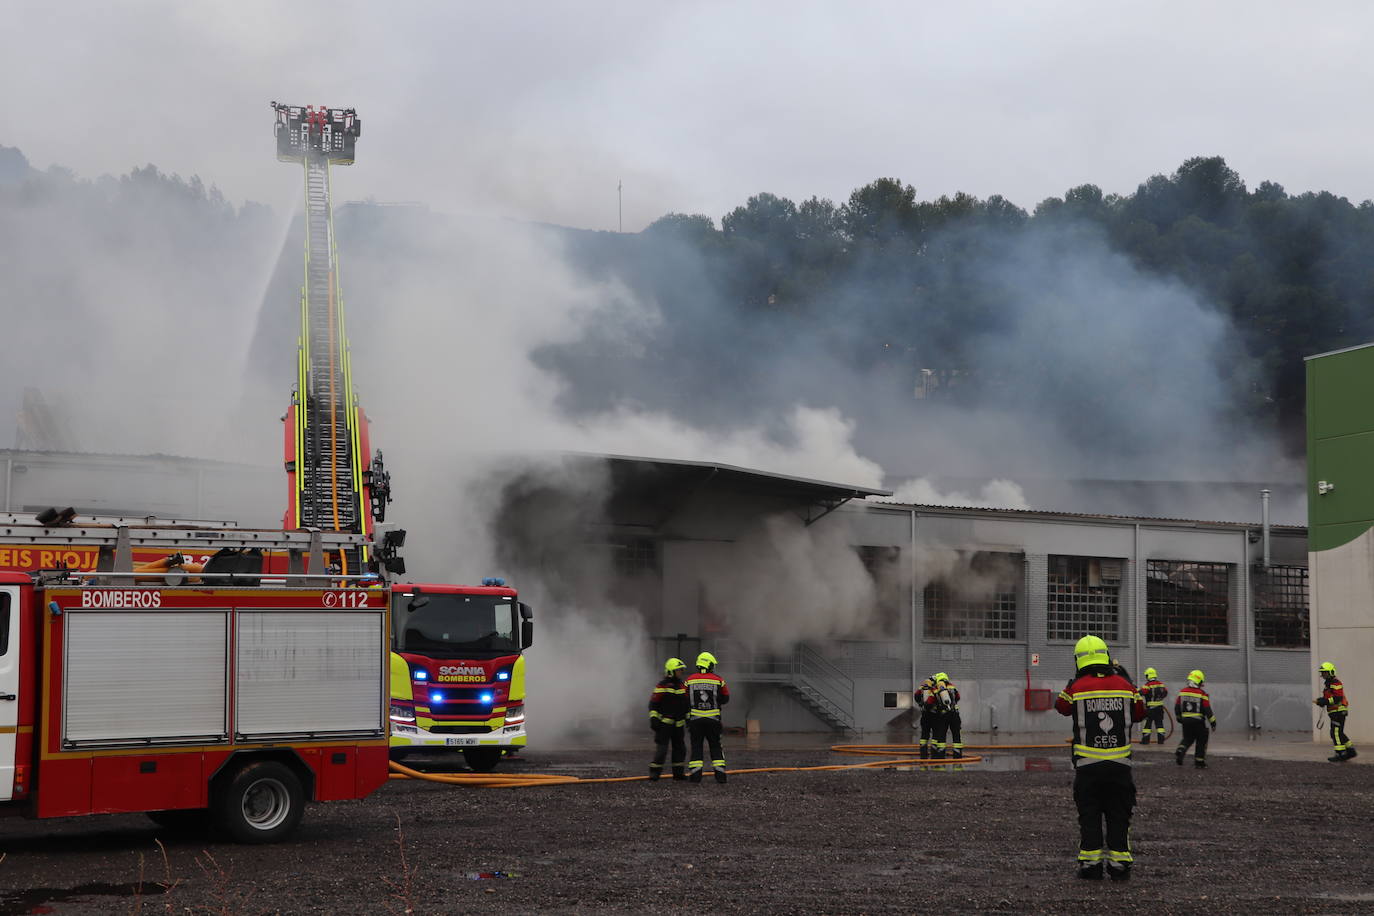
334,484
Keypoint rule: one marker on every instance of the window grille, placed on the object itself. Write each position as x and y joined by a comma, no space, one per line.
1188,602
1281,608
634,556
1083,596
979,600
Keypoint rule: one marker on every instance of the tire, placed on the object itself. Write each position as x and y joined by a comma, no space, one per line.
181,820
262,803
481,759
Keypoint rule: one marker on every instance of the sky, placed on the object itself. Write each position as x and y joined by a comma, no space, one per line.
537,111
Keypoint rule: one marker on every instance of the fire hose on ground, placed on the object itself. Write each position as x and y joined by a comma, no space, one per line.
895,755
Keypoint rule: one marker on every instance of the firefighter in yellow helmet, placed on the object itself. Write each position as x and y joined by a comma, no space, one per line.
1103,703
668,718
943,703
1337,707
1193,713
706,694
1153,692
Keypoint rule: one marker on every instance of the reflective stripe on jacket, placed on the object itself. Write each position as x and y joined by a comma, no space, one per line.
1154,692
1103,705
1333,697
706,694
668,703
1193,703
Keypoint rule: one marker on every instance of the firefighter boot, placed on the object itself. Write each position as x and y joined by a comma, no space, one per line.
1339,757
1178,756
1349,753
720,775
654,773
925,752
1119,871
679,772
1092,871
694,774
1145,738
1199,763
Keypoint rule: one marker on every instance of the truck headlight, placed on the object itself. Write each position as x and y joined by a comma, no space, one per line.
515,715
402,714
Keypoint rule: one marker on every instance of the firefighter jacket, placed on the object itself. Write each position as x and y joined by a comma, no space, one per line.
944,699
1154,692
706,694
1333,697
1103,705
1192,702
668,703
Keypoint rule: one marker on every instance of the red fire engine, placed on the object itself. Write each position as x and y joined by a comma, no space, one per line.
231,694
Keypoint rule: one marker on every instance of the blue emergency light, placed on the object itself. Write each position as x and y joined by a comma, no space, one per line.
494,581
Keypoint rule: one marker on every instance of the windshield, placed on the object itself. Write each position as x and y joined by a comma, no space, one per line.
456,625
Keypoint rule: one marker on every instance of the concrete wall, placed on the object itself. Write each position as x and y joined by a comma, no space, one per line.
1343,634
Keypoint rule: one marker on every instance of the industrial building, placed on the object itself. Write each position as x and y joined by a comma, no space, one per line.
826,603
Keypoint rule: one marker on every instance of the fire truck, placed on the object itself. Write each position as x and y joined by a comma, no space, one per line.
458,672
224,691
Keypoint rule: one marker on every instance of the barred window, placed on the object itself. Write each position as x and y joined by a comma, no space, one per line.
1188,602
976,600
1281,608
1084,596
634,556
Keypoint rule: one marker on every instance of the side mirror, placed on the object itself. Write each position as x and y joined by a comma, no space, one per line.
526,626
418,601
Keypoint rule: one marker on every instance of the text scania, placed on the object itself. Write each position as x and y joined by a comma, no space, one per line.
104,597
454,674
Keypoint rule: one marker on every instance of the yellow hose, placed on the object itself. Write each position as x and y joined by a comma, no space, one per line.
522,780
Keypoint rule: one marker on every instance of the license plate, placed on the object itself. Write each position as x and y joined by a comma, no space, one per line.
461,742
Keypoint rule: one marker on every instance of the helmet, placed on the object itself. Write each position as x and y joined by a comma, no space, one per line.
1150,672
942,677
673,664
706,661
1090,650
1196,677
1327,669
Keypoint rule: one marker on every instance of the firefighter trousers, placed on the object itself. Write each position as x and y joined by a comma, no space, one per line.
705,730
1104,791
949,725
1339,739
1153,724
1194,730
927,728
666,736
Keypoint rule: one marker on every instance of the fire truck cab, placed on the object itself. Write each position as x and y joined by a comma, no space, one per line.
232,699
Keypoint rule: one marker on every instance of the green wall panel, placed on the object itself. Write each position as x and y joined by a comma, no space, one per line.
1340,446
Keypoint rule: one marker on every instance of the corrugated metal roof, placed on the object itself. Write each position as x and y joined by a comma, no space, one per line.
1047,513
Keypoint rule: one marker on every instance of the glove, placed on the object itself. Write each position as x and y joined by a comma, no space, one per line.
653,726
1214,726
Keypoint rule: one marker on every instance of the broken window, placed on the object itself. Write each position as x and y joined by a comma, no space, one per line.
1281,608
884,564
1084,596
978,599
1188,602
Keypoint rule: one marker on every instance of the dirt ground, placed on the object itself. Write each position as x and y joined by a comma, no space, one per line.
1248,835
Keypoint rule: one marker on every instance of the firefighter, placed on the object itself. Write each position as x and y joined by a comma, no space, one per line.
921,694
1193,713
944,703
668,718
1334,702
706,694
1103,704
1153,692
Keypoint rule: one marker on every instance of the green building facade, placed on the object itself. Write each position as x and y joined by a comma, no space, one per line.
1340,513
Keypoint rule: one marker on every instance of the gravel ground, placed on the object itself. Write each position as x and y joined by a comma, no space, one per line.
1248,835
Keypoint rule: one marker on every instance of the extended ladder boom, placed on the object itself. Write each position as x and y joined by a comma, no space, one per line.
332,484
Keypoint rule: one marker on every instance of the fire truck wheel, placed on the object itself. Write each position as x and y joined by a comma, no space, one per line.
262,803
481,759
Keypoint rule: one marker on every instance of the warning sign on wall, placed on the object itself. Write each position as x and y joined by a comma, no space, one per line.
1035,658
